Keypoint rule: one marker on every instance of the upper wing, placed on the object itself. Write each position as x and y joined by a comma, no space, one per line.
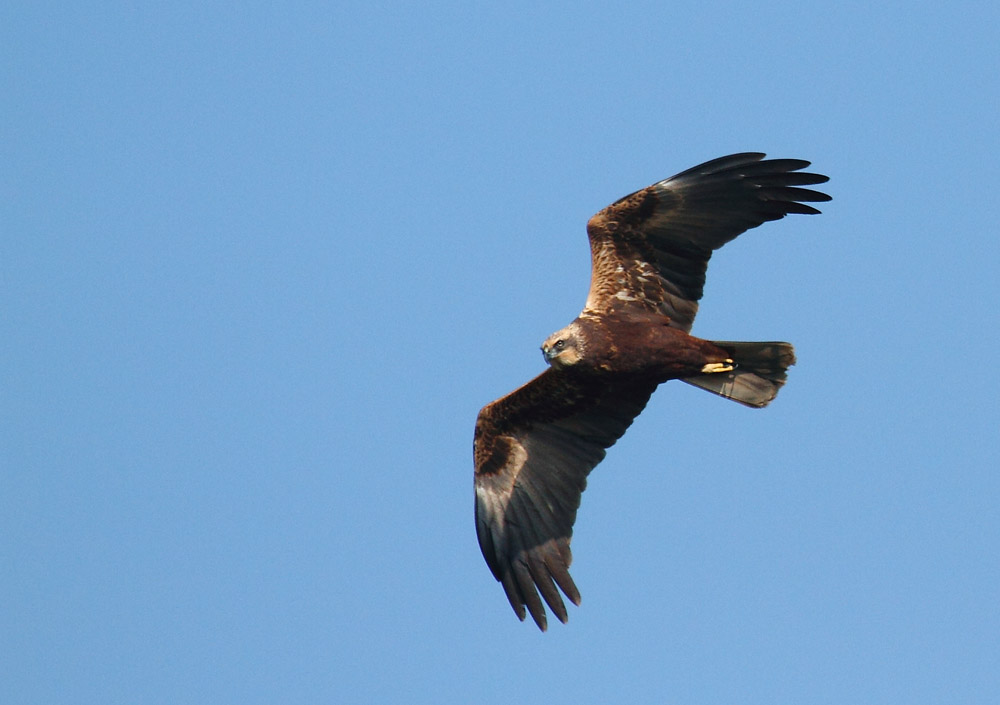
651,248
533,451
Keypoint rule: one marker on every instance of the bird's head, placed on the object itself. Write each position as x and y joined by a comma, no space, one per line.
564,347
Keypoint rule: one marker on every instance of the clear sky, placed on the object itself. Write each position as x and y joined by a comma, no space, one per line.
262,263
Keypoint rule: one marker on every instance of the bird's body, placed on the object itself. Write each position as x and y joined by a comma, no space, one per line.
535,446
630,343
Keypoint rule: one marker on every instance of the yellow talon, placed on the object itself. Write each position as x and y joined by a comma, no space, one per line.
713,367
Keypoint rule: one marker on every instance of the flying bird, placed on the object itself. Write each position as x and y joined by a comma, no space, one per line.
534,447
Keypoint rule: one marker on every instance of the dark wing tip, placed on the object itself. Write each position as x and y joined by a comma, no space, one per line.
800,209
774,184
539,574
780,183
513,593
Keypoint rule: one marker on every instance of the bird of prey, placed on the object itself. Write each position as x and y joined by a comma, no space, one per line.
534,447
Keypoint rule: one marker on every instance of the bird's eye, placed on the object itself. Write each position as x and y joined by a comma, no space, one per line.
560,344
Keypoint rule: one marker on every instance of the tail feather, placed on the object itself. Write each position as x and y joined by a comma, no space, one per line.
759,371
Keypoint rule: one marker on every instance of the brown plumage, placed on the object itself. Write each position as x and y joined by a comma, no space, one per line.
535,447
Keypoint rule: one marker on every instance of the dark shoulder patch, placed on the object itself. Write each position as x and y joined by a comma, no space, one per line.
495,458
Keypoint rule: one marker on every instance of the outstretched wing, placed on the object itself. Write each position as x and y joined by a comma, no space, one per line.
533,451
650,249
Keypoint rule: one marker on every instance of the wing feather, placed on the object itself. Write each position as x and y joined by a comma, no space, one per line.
533,451
650,249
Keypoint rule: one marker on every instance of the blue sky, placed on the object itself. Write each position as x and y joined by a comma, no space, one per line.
261,265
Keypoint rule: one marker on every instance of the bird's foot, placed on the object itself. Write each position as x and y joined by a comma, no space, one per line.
712,367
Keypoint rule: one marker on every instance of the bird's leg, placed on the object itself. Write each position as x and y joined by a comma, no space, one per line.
724,366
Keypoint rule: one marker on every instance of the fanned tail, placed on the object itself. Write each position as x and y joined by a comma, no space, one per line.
759,371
